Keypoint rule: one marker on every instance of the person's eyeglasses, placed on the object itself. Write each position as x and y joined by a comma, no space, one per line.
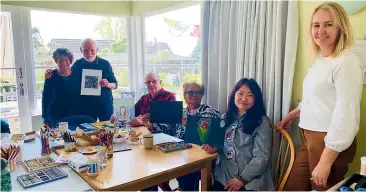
89,50
193,93
153,82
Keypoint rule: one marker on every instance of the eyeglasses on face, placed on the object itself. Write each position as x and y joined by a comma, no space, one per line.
193,93
153,82
89,50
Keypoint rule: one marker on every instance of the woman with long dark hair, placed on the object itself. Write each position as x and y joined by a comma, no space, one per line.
244,158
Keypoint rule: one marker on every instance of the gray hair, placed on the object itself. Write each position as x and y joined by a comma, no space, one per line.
187,84
87,40
157,77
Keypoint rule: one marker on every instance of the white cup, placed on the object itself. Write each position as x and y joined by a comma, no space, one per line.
63,127
363,166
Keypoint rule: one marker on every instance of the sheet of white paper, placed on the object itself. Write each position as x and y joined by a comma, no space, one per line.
90,82
164,138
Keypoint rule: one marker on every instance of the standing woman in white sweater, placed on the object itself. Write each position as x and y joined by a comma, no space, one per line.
330,108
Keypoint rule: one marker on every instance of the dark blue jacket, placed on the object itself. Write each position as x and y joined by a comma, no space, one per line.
94,106
56,97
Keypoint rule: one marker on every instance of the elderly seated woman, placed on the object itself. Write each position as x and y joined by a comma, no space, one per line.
193,93
56,98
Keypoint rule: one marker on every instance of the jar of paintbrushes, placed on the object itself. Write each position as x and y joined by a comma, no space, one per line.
69,142
106,141
45,141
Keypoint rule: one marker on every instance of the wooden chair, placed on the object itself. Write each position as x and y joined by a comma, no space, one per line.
281,161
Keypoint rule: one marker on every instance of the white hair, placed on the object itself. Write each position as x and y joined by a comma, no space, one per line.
87,40
157,77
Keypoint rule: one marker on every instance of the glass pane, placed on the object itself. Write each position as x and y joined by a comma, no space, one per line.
173,47
8,85
174,37
110,34
9,99
123,79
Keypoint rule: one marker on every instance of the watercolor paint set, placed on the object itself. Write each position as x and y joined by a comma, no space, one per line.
41,177
169,147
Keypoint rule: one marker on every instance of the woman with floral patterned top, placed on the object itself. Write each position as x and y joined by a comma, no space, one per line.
193,93
244,158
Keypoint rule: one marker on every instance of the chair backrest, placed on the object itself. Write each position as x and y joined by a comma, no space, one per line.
282,156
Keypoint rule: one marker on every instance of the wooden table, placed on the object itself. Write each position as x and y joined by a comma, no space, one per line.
140,168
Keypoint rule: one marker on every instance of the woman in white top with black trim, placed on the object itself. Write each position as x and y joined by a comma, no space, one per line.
330,108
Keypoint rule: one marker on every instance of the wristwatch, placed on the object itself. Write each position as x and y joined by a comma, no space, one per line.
242,179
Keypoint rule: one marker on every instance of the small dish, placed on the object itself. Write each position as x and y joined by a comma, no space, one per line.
17,137
120,137
89,150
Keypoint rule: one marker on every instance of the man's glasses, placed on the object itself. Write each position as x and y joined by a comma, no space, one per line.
89,50
153,82
193,93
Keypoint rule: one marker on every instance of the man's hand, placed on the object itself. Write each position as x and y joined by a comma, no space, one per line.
209,148
137,121
103,83
145,118
234,185
48,73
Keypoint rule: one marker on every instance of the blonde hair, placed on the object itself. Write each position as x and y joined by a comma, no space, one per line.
341,21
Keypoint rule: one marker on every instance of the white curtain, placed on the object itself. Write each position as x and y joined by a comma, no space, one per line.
253,39
6,42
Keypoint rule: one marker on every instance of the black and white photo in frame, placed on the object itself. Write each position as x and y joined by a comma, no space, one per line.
90,82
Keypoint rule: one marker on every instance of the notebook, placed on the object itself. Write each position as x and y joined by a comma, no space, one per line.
204,130
170,112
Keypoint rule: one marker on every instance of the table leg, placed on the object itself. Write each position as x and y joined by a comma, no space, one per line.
206,176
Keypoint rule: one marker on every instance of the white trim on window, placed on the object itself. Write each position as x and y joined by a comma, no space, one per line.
18,15
137,59
29,58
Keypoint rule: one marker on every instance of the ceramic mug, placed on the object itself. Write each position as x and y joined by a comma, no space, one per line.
148,141
92,167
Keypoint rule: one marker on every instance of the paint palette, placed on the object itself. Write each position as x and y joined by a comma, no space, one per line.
41,177
39,163
169,147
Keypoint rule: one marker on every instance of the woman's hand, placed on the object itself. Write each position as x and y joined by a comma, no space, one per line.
320,174
234,185
184,121
286,122
48,74
209,149
45,124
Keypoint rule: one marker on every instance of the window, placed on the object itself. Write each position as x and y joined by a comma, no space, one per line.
8,89
173,47
52,30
